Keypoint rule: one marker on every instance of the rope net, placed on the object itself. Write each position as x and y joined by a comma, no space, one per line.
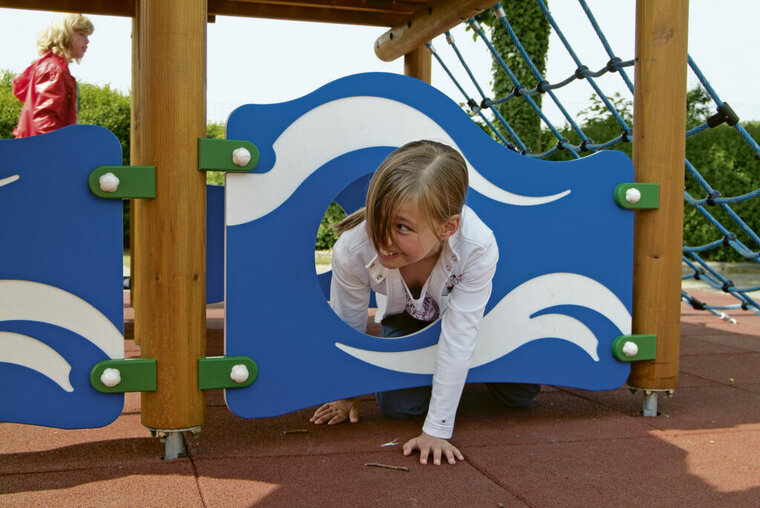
726,216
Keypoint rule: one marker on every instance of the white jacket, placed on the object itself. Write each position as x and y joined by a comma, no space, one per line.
461,285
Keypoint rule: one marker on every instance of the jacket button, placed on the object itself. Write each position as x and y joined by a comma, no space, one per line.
448,268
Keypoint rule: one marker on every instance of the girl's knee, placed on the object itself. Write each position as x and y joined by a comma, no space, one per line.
405,403
518,395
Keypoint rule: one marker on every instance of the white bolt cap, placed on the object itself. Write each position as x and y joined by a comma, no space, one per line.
110,377
630,349
239,373
633,195
241,157
108,182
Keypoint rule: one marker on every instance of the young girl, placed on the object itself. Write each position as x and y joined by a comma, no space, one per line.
419,245
47,88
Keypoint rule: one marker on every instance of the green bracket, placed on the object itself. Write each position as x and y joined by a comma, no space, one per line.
226,372
129,182
221,155
642,196
635,348
131,375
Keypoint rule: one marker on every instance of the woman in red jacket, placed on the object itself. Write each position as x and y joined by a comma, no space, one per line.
47,88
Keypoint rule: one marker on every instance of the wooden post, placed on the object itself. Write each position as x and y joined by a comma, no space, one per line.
659,144
171,237
135,146
418,64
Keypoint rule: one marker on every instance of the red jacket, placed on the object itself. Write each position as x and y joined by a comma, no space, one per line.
49,93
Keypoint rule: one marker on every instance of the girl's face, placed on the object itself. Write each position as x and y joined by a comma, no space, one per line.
413,239
79,45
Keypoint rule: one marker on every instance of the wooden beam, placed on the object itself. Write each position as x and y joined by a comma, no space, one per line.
659,145
170,303
354,12
382,6
432,20
101,7
323,14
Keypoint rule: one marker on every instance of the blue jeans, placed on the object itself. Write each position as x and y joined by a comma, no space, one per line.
407,402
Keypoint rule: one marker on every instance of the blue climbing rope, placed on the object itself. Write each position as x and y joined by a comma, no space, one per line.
692,255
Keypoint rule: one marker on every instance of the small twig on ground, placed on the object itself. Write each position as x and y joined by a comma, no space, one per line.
387,466
390,443
295,431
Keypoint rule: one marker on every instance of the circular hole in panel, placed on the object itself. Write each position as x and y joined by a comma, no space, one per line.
350,199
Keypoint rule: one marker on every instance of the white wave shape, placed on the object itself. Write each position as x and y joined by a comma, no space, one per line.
509,324
33,301
36,355
336,128
10,179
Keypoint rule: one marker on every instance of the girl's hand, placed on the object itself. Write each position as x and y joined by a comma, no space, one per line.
427,444
337,411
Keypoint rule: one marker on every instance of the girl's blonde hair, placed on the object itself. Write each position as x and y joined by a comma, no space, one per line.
431,173
59,35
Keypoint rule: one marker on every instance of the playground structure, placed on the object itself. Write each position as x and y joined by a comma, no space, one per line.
170,274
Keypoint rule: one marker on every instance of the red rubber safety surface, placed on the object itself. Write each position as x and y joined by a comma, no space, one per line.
571,448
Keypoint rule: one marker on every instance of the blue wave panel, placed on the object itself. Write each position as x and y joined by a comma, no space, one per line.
561,293
61,304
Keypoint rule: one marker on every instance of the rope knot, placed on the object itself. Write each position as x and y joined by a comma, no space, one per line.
710,200
696,304
581,72
614,64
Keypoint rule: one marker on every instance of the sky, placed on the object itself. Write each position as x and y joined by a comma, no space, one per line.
268,61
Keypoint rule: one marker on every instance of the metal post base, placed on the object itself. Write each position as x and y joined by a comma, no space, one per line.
650,399
174,441
175,445
650,403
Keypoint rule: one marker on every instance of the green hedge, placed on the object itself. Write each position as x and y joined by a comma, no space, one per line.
10,107
724,159
730,166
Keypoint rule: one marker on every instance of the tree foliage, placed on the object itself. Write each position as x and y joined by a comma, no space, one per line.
326,237
722,157
10,107
731,167
215,130
532,30
597,123
108,108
